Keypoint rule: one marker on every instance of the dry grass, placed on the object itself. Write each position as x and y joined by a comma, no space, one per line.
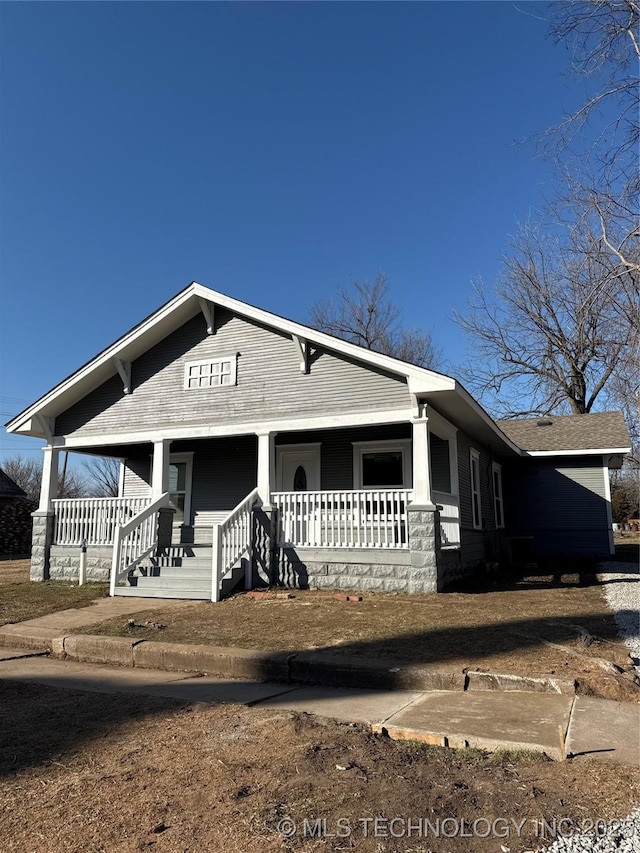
21,600
119,774
502,628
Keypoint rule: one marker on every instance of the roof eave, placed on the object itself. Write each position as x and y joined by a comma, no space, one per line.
590,451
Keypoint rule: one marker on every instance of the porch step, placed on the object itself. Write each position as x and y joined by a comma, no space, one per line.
162,582
180,575
203,572
154,592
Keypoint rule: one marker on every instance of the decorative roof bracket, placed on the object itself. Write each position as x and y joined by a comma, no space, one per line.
208,309
124,369
302,348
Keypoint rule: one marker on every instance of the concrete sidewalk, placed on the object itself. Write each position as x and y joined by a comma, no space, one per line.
487,720
449,708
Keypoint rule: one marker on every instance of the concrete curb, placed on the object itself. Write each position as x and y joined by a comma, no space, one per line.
23,636
310,668
465,741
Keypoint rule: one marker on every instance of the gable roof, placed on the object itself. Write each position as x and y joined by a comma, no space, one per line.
10,489
445,393
599,431
453,401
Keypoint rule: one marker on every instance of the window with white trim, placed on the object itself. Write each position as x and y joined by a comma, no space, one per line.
476,505
212,373
382,464
498,502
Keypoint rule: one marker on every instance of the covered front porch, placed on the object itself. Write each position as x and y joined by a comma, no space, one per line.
266,508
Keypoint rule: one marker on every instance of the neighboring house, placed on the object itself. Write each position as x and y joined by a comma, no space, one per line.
253,444
15,517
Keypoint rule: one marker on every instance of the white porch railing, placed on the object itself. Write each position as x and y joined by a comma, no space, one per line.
92,519
449,519
135,540
350,519
231,541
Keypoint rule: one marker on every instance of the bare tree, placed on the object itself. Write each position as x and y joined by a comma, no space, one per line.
365,315
27,473
596,147
103,476
603,37
559,329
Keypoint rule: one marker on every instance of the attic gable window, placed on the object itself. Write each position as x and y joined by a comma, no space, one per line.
212,373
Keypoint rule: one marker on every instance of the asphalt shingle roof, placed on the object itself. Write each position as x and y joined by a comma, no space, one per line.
600,430
10,489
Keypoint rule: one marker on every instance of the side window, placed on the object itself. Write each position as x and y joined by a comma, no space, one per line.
476,505
498,502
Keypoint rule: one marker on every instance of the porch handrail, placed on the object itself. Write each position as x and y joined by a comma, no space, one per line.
92,520
135,540
231,540
351,518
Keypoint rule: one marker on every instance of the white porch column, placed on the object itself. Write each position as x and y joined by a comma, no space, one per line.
421,463
49,484
266,467
160,468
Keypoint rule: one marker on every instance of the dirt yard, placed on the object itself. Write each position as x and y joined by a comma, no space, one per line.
20,599
533,626
113,774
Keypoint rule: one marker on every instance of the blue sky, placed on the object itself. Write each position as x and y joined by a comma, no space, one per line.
273,151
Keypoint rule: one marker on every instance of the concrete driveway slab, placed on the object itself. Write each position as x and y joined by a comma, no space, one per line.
484,720
605,730
344,703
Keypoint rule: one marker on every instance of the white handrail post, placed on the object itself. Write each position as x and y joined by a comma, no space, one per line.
216,563
248,566
115,560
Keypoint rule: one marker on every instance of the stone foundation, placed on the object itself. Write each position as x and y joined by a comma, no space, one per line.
41,539
424,541
353,569
64,562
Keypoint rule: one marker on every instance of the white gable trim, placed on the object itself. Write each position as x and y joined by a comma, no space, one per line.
591,451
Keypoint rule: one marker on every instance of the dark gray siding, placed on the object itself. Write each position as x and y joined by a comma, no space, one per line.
439,457
269,384
137,477
561,503
485,544
224,472
336,450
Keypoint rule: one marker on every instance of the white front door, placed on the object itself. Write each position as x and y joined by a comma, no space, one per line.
298,468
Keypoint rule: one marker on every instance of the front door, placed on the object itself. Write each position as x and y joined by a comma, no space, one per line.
298,468
298,471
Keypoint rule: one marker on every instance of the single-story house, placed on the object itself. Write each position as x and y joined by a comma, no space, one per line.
15,517
252,445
